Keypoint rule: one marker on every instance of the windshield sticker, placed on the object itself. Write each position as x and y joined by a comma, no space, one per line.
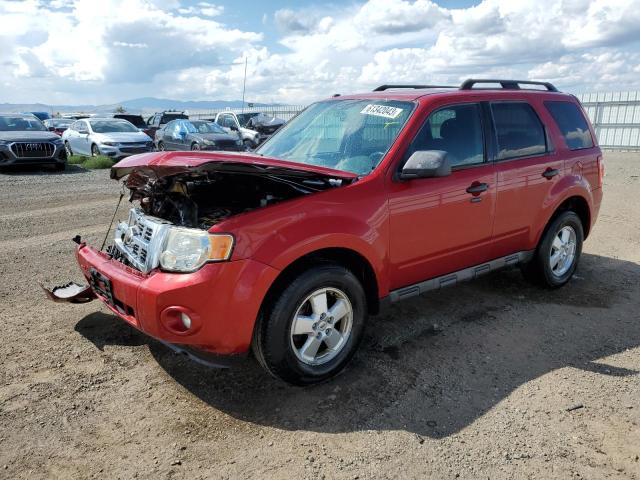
381,111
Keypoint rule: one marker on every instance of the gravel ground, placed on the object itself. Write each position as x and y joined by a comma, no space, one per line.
492,379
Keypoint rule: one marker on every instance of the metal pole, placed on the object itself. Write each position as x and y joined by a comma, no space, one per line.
244,83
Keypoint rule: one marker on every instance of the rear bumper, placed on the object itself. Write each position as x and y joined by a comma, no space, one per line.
222,300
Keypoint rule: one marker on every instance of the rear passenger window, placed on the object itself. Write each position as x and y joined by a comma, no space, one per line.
572,124
457,130
519,130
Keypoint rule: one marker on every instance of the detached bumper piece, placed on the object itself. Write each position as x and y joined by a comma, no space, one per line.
70,293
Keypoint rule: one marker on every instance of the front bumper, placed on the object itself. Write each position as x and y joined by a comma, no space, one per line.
222,299
123,151
8,157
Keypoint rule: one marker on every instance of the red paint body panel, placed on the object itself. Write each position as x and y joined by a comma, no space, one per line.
407,231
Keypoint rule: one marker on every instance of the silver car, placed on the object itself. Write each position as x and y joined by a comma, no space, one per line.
105,136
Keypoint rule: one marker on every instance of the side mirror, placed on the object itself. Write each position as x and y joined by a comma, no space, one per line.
426,164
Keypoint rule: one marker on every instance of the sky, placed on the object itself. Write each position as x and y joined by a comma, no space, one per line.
105,51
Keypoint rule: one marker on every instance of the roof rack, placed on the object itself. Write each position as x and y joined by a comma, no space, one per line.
506,84
382,88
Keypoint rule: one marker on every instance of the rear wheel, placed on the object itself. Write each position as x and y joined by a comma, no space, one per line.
313,327
161,146
558,252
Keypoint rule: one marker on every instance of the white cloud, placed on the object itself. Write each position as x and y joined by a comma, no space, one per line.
83,50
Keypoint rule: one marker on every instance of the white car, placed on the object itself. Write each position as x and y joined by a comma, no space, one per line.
105,136
229,121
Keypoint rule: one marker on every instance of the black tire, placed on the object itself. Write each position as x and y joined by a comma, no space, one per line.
60,167
195,147
95,151
539,270
161,146
68,149
272,341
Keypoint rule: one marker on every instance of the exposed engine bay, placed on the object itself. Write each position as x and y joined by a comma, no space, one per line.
204,198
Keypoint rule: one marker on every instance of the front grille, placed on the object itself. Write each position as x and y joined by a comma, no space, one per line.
134,149
139,240
32,149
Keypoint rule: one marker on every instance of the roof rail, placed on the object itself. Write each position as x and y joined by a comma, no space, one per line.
506,84
382,88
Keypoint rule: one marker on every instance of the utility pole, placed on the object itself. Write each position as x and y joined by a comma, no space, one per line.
244,83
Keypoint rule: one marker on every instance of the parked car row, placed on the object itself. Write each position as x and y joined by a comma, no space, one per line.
125,134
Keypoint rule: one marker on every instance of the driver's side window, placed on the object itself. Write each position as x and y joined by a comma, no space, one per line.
456,129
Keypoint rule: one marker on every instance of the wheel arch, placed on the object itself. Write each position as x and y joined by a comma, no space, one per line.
574,203
346,257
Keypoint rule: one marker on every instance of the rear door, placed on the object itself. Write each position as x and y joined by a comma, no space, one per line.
528,167
441,225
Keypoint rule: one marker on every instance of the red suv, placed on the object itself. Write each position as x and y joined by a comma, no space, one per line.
358,202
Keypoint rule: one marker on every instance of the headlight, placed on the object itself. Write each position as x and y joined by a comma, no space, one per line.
110,144
188,249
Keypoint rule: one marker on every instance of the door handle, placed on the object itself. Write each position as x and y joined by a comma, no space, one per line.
477,188
549,173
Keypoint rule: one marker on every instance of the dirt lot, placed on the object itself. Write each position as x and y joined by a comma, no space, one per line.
474,382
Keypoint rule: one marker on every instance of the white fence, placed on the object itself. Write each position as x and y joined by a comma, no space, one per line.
615,117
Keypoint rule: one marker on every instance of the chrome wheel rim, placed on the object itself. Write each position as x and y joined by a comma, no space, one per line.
68,149
321,326
563,251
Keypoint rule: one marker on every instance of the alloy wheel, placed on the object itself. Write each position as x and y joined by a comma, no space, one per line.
321,326
563,251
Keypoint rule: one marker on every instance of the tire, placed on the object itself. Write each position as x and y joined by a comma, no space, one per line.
195,147
290,356
60,167
161,146
95,151
67,147
555,261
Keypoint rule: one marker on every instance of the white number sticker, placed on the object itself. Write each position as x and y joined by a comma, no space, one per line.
381,111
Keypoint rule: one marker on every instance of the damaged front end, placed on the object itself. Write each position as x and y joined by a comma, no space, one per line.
177,200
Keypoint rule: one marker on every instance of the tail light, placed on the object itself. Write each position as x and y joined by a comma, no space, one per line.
600,171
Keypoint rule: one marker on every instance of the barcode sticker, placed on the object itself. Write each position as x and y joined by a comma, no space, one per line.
381,111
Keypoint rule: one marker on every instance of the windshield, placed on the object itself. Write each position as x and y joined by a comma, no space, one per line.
207,127
348,135
110,126
21,124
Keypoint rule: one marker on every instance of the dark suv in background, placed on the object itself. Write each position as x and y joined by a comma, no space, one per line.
24,140
162,118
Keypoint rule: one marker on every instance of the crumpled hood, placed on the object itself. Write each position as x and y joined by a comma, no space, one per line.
160,164
28,136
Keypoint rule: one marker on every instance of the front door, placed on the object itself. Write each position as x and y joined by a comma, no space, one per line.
441,225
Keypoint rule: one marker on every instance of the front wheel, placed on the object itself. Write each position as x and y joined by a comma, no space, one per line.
67,147
95,151
195,147
558,253
310,331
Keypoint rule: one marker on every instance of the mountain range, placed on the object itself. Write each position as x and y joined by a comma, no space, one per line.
137,105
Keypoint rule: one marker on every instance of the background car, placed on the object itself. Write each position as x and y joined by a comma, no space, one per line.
24,140
265,125
105,136
136,120
57,125
229,121
160,119
40,115
196,135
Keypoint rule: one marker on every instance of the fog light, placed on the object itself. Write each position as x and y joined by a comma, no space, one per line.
186,320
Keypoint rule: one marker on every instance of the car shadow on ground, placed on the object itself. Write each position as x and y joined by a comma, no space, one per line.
71,169
434,364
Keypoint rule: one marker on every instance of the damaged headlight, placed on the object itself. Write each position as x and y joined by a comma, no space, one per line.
188,249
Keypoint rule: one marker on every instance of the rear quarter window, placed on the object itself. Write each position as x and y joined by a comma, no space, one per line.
572,124
519,131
